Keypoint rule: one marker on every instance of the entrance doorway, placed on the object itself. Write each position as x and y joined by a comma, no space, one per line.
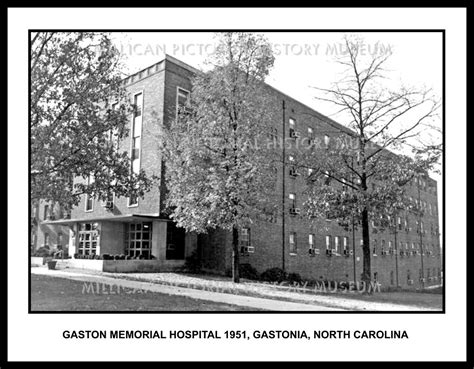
175,242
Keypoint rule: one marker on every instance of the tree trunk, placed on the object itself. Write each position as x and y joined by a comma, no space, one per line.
235,255
366,248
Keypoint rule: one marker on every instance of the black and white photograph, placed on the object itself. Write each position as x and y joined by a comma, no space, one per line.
211,178
233,174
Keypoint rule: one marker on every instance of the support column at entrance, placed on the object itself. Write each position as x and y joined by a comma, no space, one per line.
158,243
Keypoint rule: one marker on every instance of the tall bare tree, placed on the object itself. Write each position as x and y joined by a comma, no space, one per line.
359,173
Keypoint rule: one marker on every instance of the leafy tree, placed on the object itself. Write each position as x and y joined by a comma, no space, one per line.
75,129
355,178
219,163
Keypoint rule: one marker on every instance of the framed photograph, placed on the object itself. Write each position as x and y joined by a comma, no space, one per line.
272,182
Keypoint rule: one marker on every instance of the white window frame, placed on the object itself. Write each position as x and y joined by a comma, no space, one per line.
291,236
345,243
245,231
88,196
113,200
327,141
328,242
178,88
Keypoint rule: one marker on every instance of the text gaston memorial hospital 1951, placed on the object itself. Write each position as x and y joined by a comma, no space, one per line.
235,334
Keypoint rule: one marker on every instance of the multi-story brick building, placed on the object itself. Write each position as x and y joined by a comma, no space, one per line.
408,255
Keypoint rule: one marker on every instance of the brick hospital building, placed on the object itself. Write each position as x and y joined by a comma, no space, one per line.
409,255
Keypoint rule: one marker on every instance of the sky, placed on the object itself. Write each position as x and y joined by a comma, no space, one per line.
303,61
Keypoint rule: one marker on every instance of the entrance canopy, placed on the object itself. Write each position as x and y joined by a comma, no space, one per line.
113,218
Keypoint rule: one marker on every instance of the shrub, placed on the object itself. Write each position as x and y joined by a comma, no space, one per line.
294,278
106,257
42,252
248,271
274,275
344,285
193,263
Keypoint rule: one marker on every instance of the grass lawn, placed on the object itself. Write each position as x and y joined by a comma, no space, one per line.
60,294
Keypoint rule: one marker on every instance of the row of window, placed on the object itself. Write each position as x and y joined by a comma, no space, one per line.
423,185
136,141
294,210
336,244
47,239
182,99
423,206
405,225
405,248
293,133
135,155
49,213
137,239
341,245
432,274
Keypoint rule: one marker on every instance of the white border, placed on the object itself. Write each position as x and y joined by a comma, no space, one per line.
433,337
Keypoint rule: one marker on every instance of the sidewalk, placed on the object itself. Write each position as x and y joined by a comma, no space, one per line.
246,293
